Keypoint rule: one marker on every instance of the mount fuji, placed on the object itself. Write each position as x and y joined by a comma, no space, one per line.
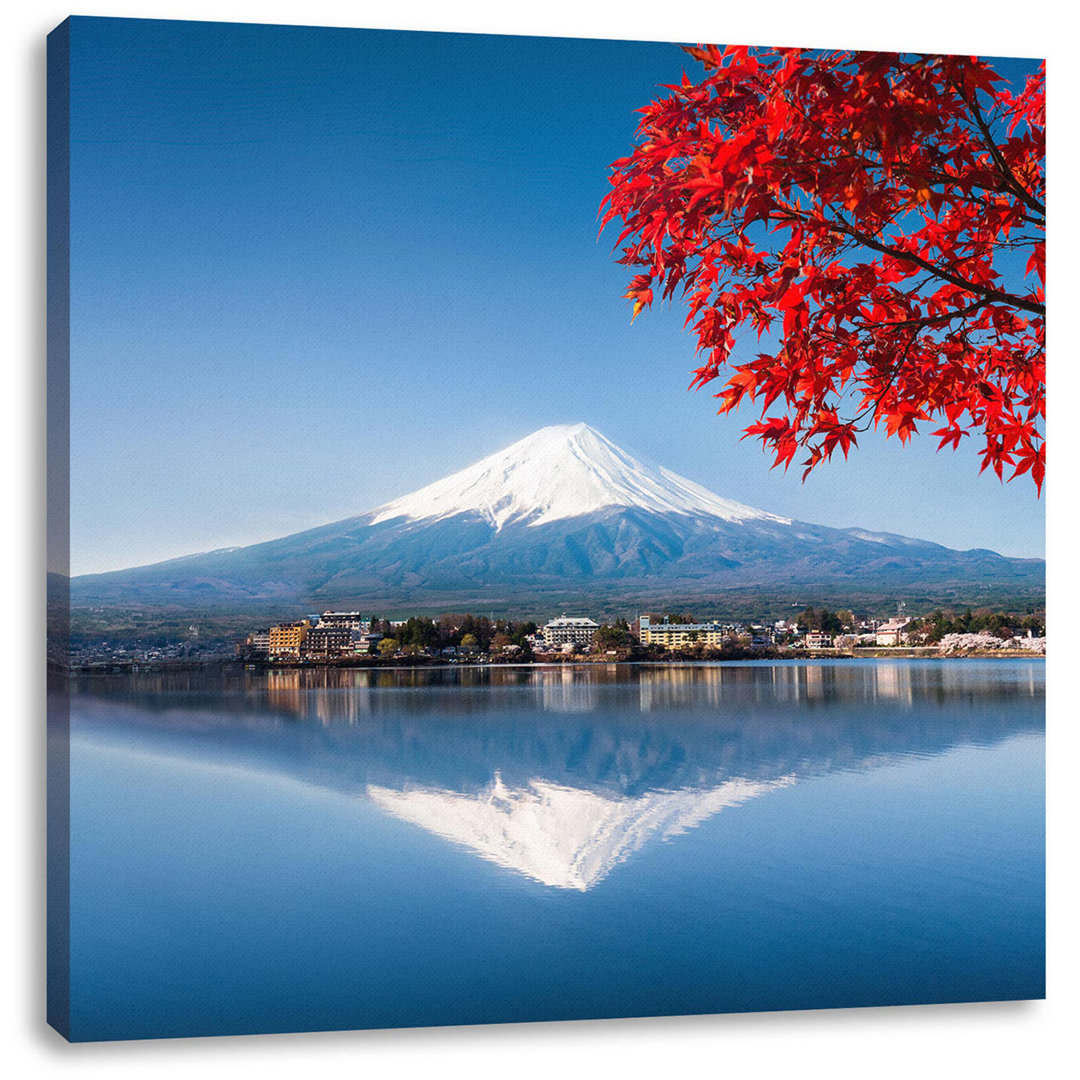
558,473
566,514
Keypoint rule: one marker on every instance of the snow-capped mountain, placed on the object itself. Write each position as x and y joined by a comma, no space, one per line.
562,472
565,514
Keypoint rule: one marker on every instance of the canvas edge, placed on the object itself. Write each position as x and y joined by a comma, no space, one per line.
58,591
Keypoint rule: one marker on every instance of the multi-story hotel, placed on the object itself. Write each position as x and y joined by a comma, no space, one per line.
344,620
287,639
563,631
677,635
327,641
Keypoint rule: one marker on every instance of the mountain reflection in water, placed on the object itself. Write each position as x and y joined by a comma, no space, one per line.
562,773
566,837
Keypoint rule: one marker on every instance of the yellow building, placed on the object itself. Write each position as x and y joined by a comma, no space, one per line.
286,639
679,635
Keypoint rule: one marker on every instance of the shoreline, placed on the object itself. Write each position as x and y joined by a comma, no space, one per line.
420,663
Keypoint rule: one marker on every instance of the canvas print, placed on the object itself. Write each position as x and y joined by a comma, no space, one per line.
540,528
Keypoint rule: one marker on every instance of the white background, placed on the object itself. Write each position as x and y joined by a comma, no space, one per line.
1005,1040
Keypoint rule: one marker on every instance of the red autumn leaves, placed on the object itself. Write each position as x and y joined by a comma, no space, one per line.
881,218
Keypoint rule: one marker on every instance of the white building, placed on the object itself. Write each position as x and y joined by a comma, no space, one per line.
344,620
256,644
564,631
892,632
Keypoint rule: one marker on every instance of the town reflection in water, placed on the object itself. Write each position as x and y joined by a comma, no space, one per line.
562,773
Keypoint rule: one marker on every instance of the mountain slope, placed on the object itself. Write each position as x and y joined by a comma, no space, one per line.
563,508
557,473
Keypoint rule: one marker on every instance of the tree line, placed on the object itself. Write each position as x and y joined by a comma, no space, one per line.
829,622
469,633
1001,624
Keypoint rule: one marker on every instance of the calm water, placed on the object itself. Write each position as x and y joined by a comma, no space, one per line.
309,850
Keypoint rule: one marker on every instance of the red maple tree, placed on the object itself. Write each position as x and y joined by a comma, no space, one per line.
887,211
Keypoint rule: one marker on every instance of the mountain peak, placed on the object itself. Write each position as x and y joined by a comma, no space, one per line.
557,472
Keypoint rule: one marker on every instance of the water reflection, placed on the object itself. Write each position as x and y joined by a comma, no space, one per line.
561,773
565,837
562,691
334,695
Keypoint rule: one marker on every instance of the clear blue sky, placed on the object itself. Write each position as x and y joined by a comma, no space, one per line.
315,269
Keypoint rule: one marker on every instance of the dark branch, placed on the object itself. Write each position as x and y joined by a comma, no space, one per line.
996,295
989,142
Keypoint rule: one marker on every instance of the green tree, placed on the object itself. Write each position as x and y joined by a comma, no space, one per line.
481,629
613,636
419,632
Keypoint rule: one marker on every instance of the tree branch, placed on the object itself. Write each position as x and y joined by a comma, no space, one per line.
841,226
1007,174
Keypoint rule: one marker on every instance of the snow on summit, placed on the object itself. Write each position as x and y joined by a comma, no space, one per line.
562,472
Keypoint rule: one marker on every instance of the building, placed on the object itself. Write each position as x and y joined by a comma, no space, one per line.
818,639
671,635
287,639
327,641
563,631
255,646
344,620
892,632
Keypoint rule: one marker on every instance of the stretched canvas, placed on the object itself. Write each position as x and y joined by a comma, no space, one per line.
421,651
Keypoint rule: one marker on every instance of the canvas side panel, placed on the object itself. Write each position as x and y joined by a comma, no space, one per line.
58,623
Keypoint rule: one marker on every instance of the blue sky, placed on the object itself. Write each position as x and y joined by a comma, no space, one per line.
315,269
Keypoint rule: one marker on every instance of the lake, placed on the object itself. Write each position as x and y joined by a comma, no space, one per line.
290,850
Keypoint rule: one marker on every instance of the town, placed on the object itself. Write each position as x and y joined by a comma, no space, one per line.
353,638
341,635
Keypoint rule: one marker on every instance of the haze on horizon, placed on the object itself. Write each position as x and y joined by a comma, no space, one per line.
303,285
